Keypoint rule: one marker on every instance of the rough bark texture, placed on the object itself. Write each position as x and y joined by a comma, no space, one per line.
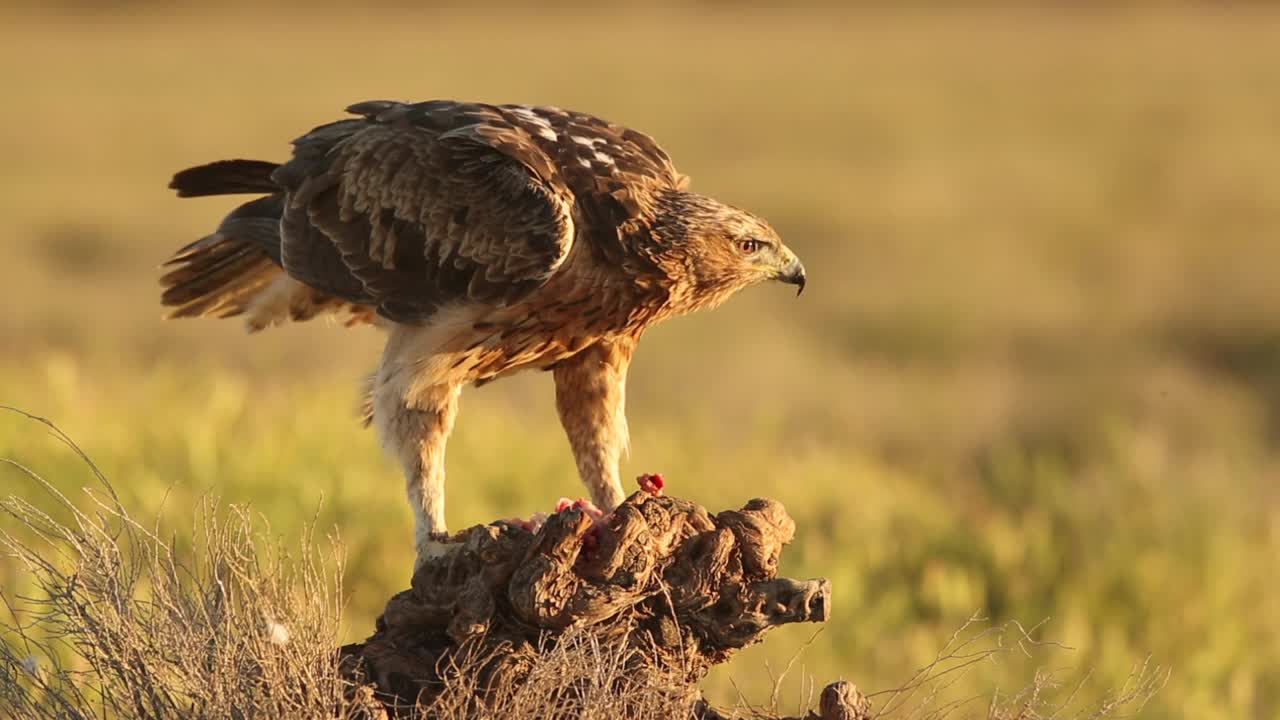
682,588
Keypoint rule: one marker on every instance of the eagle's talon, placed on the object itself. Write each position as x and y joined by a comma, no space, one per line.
431,546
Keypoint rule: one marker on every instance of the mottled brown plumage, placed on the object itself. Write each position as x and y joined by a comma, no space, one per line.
486,239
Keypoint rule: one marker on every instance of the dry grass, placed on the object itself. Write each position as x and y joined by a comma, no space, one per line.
931,694
120,626
582,675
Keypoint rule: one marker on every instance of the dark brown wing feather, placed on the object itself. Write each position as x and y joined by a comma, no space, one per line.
613,171
424,205
593,152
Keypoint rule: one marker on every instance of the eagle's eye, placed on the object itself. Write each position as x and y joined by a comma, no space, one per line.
749,246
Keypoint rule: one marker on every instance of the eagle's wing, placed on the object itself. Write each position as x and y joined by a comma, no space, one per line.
416,206
614,173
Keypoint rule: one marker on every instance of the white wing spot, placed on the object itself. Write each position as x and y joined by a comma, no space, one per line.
547,132
581,140
604,158
584,162
531,117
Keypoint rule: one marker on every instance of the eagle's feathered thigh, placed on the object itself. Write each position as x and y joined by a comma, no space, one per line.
486,239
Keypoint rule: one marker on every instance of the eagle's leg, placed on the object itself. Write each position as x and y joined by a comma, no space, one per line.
414,422
590,397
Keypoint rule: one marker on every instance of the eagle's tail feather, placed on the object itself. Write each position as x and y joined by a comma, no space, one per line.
220,276
226,177
236,270
216,275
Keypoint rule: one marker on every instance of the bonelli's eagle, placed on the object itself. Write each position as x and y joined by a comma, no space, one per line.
485,239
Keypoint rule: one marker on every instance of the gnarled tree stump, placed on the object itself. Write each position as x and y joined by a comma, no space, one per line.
679,588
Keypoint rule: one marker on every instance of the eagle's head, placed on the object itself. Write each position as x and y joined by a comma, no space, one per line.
714,250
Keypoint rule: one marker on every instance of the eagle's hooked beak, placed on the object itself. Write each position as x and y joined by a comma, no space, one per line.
793,274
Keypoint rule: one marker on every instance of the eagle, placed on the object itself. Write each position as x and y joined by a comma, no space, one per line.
484,239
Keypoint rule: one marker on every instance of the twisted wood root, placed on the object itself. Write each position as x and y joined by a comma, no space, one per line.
678,587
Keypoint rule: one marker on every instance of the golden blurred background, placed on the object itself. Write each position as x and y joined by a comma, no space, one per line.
1036,373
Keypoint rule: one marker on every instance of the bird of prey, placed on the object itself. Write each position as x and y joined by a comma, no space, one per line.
485,239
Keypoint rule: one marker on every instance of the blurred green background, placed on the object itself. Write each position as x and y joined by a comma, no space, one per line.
1036,373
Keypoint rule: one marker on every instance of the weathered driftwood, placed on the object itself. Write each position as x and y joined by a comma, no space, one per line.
682,588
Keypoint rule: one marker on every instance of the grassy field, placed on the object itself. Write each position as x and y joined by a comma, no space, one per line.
1036,373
